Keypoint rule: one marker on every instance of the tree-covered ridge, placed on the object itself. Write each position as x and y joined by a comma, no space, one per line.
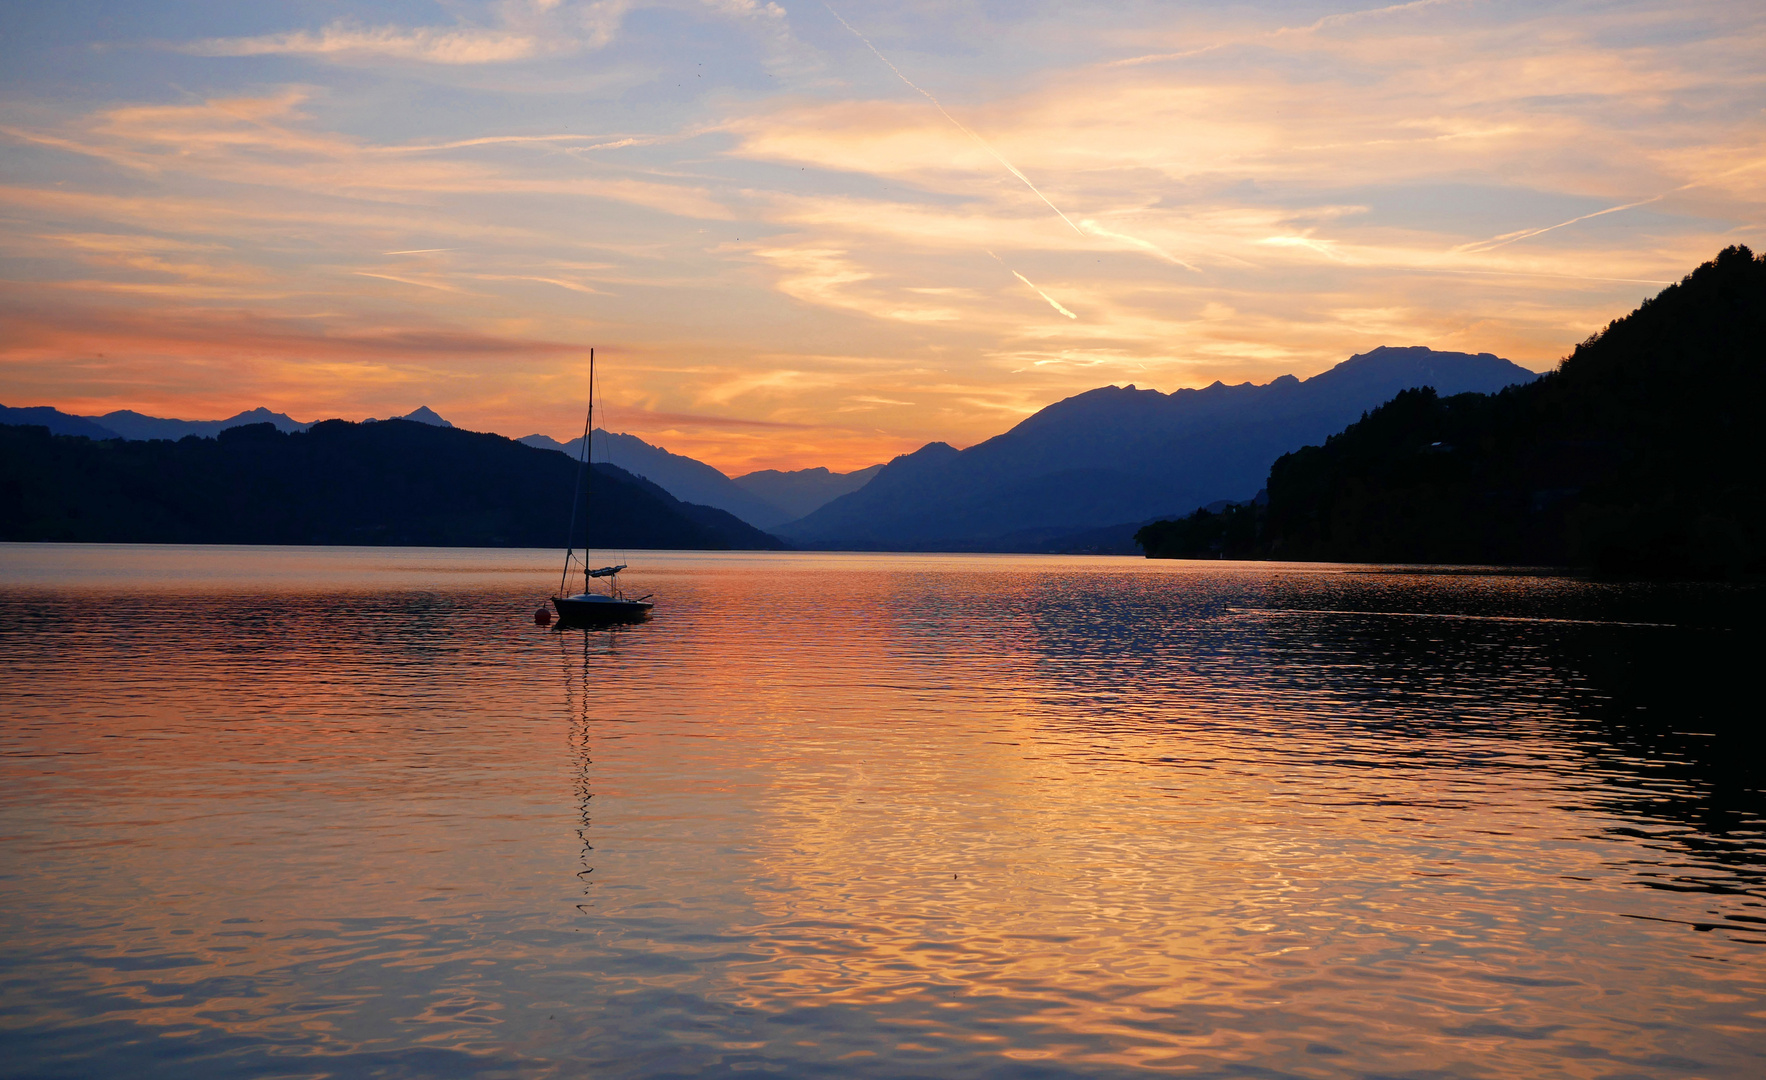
1638,455
392,482
1234,531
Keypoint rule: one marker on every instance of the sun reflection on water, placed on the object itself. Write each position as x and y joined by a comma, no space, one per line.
871,815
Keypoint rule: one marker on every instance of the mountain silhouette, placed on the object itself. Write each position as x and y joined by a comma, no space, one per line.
1119,454
56,421
128,424
423,414
1638,456
392,482
803,491
133,425
683,477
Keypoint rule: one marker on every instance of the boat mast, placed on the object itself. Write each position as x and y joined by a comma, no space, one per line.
578,497
588,463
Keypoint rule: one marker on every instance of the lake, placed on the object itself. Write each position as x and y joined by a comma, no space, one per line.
332,812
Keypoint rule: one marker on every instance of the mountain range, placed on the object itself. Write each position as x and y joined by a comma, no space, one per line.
683,477
58,422
134,426
1081,475
801,492
1123,455
763,499
389,482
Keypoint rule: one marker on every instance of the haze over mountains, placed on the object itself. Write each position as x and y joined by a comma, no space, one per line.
1120,455
1071,477
683,477
803,491
766,499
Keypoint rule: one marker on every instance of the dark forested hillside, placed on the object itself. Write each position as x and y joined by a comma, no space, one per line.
1639,455
392,482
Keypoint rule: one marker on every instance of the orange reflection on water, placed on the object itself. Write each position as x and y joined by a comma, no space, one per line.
865,814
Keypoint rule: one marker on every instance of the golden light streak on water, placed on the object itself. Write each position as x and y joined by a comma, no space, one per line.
348,812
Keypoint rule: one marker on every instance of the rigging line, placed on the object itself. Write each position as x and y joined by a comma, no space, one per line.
577,496
1013,169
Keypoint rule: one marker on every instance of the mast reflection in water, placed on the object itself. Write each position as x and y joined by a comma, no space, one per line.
348,812
576,700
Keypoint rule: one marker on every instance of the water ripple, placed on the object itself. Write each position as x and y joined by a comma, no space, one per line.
348,812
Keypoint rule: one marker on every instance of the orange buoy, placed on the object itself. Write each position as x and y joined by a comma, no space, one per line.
542,617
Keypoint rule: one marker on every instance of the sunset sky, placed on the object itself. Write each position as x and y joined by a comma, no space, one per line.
801,234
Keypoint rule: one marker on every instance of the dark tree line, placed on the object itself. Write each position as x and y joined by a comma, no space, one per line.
1640,455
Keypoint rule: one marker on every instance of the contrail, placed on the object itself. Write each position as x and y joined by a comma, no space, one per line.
1013,169
1056,304
1527,234
1328,20
1098,230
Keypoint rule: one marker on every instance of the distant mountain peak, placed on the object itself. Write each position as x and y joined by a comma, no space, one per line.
423,414
1387,355
934,450
1121,454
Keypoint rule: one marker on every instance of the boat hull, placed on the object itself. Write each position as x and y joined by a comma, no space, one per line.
593,610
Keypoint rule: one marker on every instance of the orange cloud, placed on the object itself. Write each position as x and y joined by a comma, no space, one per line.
793,269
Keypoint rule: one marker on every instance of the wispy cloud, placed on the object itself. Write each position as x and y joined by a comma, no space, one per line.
958,124
1326,22
269,141
768,224
562,283
348,41
701,420
404,279
524,30
45,320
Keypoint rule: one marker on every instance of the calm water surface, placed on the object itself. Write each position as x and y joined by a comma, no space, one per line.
348,812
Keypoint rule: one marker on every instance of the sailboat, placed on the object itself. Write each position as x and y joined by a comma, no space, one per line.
588,607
